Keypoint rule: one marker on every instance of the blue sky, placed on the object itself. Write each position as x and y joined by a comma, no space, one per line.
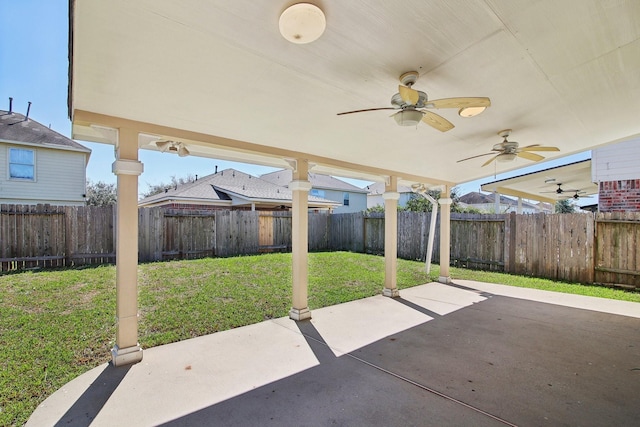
34,67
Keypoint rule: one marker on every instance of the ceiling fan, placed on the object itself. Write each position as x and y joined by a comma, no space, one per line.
577,194
414,104
561,190
507,151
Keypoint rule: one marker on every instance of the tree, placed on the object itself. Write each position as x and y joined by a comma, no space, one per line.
565,206
162,186
100,193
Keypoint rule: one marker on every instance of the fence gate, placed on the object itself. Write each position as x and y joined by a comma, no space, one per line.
617,255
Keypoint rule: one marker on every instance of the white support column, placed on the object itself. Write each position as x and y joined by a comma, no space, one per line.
300,187
496,202
391,197
445,239
127,168
519,205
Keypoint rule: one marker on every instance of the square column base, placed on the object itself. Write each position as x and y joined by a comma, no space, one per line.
126,356
300,314
391,293
444,279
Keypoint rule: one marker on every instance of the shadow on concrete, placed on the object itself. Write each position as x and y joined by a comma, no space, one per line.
315,341
502,361
86,408
417,307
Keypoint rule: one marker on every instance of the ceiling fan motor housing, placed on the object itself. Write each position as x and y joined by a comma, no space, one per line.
397,101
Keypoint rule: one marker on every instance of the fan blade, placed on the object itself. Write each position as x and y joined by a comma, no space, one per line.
459,102
436,121
529,156
538,148
490,160
408,95
368,109
473,157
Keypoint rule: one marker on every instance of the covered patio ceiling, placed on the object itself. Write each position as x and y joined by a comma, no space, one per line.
574,178
218,76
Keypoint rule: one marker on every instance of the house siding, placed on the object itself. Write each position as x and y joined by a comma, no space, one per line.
60,178
357,201
618,162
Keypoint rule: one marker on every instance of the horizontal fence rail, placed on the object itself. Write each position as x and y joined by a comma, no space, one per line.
572,247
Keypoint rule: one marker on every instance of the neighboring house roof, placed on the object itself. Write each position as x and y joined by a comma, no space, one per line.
476,198
283,177
229,187
378,188
17,129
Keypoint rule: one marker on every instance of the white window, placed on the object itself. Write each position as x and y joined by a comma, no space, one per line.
346,199
22,164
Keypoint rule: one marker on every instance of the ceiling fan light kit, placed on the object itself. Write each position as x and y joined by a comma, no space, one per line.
506,157
470,111
408,117
302,23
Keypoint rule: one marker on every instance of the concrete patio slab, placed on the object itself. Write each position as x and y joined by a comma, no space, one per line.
481,359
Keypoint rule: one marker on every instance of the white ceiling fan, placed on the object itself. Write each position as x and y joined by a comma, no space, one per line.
507,151
414,106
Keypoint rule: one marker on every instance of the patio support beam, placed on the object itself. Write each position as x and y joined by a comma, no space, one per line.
445,237
300,187
391,197
127,168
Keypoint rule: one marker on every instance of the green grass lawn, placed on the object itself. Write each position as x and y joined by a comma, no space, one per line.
55,325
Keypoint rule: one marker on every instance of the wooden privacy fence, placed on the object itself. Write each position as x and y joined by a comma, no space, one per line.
573,247
617,254
54,236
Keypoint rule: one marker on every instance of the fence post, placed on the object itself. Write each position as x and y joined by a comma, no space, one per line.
510,263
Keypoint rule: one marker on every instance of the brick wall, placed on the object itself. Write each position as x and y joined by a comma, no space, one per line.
620,196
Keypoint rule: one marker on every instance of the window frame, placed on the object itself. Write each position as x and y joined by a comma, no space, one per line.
345,199
33,177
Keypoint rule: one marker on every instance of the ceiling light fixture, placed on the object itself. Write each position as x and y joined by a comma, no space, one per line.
163,145
470,111
408,117
172,146
506,157
302,23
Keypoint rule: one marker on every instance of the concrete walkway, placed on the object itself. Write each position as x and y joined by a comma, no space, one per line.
467,354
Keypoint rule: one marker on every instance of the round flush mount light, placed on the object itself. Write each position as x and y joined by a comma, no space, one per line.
471,111
302,23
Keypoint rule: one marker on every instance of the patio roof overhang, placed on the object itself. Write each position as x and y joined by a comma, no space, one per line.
220,77
543,185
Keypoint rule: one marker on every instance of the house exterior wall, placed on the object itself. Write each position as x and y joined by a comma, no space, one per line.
619,196
374,200
357,201
60,178
615,169
616,162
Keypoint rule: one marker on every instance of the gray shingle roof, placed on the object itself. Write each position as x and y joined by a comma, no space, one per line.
229,182
327,182
15,127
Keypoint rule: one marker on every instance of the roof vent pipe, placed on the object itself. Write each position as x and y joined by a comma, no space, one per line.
216,169
10,105
26,117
